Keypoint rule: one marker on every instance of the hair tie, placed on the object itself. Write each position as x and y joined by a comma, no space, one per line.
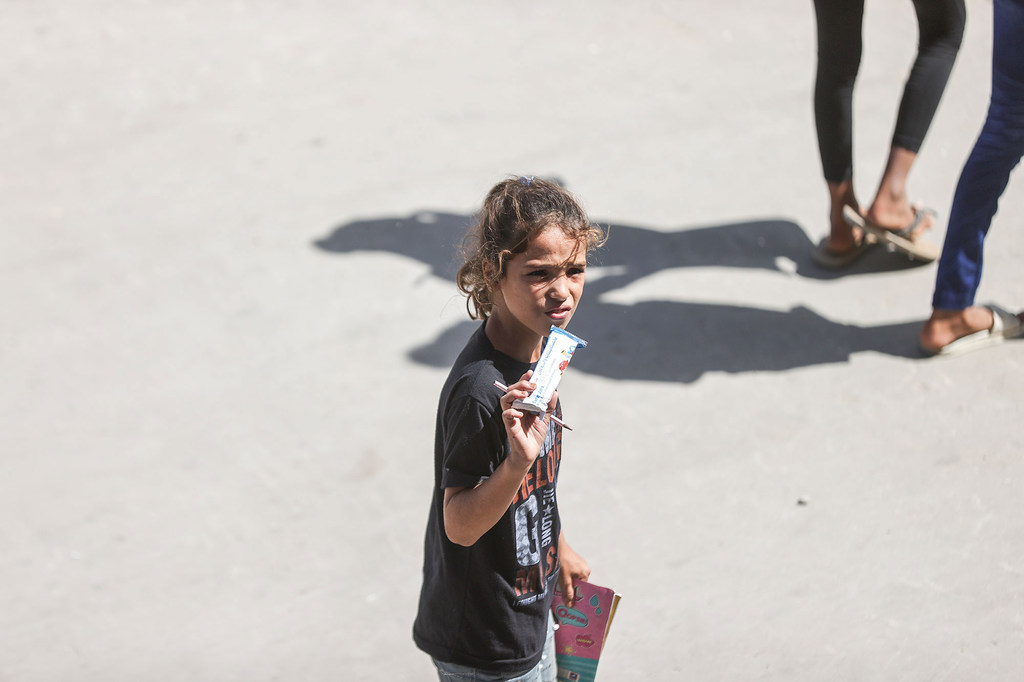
527,181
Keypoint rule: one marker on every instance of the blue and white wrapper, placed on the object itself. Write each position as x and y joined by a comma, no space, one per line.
554,359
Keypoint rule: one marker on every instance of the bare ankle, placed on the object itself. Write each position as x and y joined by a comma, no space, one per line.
946,326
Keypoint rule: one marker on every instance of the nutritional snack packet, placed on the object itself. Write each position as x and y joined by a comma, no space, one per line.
552,363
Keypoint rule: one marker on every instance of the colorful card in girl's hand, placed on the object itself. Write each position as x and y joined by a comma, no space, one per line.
583,629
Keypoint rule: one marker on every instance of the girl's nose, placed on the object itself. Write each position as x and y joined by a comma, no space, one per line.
559,287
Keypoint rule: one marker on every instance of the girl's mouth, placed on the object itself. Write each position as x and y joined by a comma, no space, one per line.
559,313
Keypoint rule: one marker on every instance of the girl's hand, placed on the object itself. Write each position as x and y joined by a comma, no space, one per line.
574,567
526,430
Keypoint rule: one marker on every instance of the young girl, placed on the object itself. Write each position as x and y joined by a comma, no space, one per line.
494,545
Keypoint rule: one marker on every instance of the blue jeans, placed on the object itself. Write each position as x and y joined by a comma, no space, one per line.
985,174
545,671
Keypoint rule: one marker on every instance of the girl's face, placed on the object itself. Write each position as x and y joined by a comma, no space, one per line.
541,287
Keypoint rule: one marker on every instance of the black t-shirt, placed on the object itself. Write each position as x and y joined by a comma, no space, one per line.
487,605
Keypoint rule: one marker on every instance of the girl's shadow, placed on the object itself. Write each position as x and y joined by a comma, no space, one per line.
661,340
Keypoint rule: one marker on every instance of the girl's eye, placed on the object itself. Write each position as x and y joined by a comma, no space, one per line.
575,272
537,273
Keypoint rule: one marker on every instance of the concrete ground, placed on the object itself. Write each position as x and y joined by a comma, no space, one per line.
227,249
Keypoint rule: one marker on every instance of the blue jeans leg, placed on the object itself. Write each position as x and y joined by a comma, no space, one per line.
985,174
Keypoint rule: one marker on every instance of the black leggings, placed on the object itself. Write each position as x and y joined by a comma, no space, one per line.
941,28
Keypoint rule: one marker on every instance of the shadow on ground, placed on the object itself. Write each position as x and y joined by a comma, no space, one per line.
662,340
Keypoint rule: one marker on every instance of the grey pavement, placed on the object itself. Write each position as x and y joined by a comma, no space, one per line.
226,257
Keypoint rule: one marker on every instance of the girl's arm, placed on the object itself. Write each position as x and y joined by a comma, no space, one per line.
574,567
471,512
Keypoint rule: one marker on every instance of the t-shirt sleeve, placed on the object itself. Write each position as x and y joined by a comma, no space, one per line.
473,445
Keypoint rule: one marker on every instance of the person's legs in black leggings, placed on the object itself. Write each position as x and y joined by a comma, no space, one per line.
839,24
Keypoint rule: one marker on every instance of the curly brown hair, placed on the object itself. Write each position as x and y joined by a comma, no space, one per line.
515,210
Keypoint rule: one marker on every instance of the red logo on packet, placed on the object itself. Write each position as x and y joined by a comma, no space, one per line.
584,641
562,365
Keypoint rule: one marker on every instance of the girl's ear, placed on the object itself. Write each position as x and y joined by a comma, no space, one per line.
491,275
492,279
